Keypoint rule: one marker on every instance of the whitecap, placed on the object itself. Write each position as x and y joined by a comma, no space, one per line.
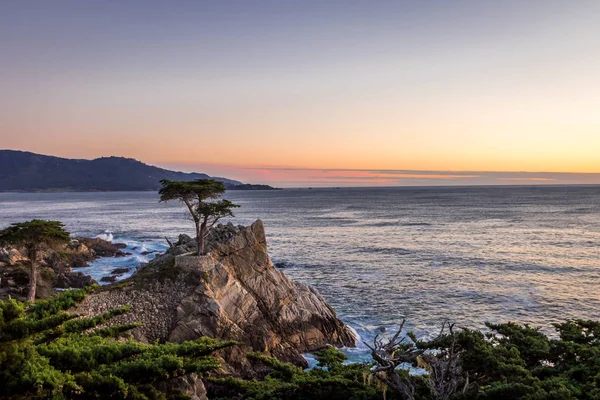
107,235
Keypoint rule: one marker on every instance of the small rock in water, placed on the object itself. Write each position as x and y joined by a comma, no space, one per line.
280,265
109,278
119,271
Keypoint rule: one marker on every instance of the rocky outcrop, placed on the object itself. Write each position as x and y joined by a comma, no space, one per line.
54,267
102,248
234,292
73,280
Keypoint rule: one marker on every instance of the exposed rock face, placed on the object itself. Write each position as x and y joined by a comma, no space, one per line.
11,256
102,248
84,251
73,280
233,292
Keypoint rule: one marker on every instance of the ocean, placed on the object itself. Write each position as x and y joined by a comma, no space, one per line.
467,255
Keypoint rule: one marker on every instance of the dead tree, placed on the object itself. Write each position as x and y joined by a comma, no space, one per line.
444,375
388,355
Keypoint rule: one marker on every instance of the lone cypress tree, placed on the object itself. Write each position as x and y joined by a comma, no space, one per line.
196,195
34,235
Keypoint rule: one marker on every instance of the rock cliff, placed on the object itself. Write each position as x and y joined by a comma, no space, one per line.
232,292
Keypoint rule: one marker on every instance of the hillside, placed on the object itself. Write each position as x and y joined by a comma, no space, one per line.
29,172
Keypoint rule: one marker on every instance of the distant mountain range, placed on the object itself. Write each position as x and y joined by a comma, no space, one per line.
22,171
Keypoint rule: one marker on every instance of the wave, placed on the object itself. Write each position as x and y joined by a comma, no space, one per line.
398,251
357,337
337,221
107,235
383,224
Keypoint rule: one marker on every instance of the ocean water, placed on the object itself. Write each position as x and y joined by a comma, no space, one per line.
380,255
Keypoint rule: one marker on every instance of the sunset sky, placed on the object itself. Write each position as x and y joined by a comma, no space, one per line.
296,93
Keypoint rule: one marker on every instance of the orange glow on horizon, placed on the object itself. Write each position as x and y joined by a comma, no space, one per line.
486,91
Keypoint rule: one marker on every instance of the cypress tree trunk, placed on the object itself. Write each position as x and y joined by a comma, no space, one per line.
199,239
32,276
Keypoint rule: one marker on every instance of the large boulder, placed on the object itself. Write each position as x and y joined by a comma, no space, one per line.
234,292
73,280
79,248
62,261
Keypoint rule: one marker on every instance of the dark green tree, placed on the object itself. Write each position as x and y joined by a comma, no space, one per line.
49,353
199,196
34,235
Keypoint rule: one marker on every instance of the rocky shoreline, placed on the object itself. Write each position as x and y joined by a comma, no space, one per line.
56,266
234,292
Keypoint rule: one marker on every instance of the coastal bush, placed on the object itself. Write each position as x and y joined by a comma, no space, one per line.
331,380
508,362
47,352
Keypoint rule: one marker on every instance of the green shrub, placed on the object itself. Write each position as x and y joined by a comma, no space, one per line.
46,352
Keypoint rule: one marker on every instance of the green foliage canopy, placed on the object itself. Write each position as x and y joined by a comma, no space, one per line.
509,362
197,190
34,233
47,352
213,211
196,195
